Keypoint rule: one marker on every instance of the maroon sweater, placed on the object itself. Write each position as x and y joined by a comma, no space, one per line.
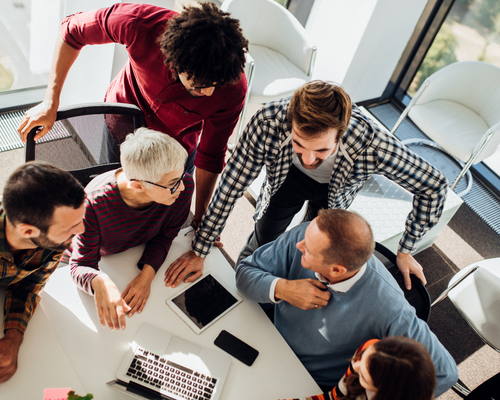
111,226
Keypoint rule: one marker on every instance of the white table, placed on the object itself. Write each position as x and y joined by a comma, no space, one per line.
42,363
96,352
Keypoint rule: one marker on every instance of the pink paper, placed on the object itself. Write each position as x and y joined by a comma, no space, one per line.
56,394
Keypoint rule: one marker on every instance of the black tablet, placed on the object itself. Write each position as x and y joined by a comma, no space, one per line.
204,302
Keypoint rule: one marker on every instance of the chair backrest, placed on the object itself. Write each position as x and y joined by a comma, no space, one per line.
267,23
418,296
78,140
473,84
489,389
477,298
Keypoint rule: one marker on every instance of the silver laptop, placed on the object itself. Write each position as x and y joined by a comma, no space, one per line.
160,365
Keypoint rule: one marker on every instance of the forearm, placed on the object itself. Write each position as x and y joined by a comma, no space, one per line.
281,290
62,60
155,253
84,276
15,336
428,186
424,216
205,184
254,282
99,282
147,275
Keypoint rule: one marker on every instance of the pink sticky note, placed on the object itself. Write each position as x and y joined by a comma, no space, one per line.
56,394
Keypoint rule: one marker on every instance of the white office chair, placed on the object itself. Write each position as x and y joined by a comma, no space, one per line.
283,54
458,107
250,73
475,292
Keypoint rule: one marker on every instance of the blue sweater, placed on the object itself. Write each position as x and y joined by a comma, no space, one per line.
325,339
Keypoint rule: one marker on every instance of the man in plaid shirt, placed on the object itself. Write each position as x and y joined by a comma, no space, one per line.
43,209
315,146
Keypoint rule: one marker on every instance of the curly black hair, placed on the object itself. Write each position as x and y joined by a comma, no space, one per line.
205,43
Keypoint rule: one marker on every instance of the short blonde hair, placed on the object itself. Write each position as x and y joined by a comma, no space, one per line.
147,155
318,106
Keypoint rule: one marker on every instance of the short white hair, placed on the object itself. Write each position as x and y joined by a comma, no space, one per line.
147,155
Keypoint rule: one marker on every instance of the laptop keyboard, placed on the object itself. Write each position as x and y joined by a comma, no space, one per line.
158,373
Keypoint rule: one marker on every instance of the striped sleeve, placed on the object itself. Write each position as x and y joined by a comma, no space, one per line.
85,254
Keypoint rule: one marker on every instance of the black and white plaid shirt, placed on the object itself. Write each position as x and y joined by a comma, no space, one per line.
364,150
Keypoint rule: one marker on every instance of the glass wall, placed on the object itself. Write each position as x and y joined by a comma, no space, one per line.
28,29
471,31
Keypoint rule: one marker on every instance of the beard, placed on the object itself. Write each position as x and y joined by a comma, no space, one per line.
45,243
314,165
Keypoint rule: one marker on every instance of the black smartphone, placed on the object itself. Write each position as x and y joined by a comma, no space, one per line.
236,347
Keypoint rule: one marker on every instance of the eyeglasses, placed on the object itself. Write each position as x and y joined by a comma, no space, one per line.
173,189
205,87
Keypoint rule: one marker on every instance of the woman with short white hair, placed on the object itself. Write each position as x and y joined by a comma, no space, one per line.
145,201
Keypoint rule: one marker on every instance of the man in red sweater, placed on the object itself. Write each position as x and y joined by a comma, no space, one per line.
185,72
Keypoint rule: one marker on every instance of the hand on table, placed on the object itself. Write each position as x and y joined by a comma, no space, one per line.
111,307
188,263
408,265
137,292
41,115
306,294
9,349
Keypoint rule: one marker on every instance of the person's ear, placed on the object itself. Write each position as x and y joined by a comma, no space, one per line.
27,231
337,270
137,185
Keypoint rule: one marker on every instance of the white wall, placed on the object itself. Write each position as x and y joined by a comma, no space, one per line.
90,75
43,32
360,41
336,28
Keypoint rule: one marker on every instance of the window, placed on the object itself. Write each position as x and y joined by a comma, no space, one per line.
28,29
450,31
471,31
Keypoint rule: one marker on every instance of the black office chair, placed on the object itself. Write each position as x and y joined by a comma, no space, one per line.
78,141
487,390
418,296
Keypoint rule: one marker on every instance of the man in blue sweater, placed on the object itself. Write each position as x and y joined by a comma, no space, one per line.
332,295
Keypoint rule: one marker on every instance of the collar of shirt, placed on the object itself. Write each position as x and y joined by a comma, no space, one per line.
343,286
4,248
323,173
